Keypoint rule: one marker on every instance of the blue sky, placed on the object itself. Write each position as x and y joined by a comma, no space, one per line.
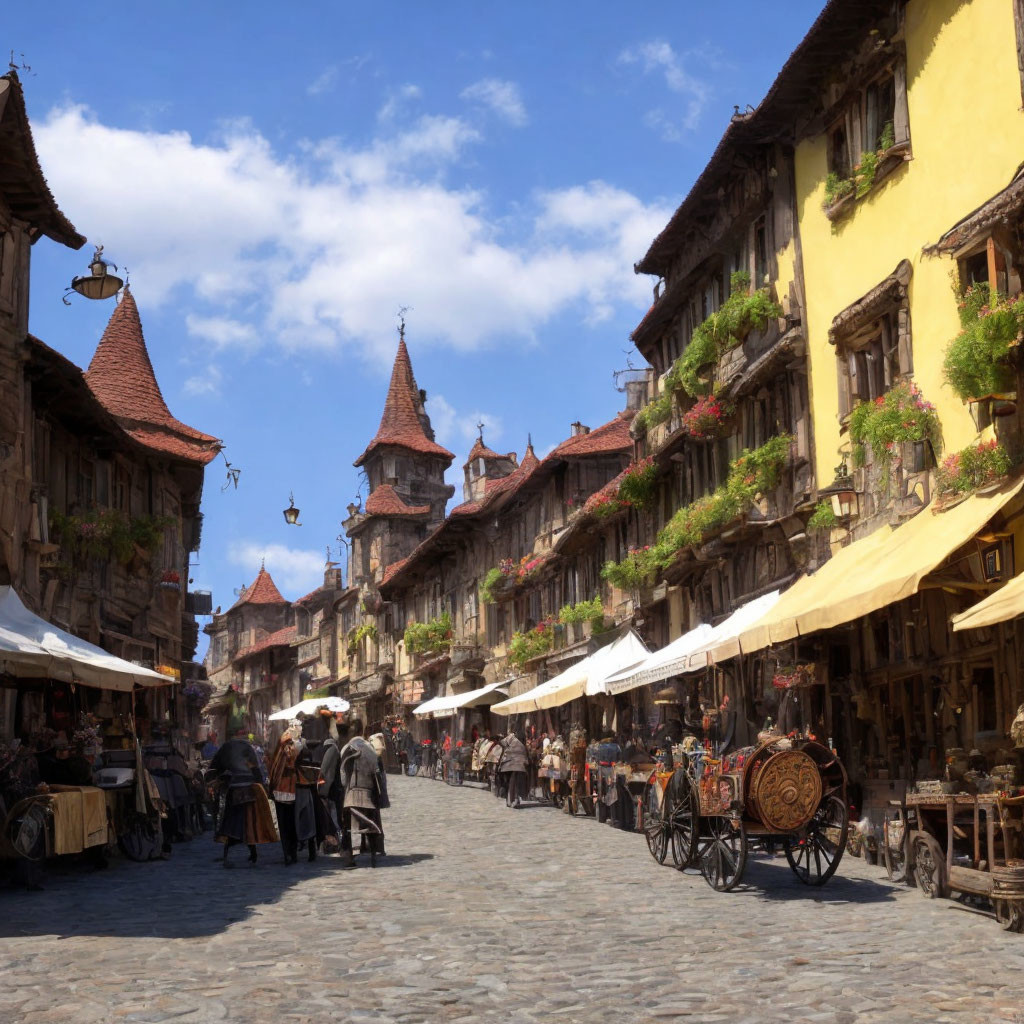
280,180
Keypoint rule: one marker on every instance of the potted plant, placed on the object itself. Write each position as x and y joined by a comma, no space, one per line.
169,580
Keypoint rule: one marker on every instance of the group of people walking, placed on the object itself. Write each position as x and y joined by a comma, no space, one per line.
322,790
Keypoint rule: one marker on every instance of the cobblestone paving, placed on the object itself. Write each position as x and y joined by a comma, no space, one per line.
480,913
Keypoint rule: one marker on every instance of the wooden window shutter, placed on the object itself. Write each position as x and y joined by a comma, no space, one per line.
901,115
996,268
906,351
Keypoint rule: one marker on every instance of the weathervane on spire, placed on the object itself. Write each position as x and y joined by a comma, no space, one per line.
480,428
402,310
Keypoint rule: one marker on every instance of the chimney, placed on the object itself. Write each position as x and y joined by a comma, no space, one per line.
578,429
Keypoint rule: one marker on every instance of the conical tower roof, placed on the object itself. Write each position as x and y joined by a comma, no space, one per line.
263,590
121,376
401,424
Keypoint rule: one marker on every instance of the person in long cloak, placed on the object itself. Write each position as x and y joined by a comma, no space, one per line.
362,772
245,816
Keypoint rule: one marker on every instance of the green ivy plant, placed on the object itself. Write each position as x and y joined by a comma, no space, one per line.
489,585
107,533
743,311
750,474
585,611
357,635
975,364
526,646
429,637
898,416
822,518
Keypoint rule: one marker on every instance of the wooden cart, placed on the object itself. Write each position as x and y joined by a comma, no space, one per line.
959,842
708,813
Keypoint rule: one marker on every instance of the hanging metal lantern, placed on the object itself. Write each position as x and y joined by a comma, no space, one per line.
291,513
99,283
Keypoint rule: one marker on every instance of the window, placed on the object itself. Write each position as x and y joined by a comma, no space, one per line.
871,118
760,277
872,339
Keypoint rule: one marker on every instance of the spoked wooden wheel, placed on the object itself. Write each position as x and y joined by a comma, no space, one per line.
815,853
929,867
655,822
722,852
683,815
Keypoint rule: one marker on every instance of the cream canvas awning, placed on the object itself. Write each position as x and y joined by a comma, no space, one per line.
310,706
443,706
885,567
32,648
669,661
586,678
1006,603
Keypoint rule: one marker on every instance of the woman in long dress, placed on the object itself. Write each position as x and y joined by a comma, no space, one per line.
245,816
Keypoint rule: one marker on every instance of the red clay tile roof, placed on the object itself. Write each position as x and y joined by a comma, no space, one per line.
263,590
481,451
609,439
610,490
308,597
21,178
384,501
400,424
280,638
392,570
121,377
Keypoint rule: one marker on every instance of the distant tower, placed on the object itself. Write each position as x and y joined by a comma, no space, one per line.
405,468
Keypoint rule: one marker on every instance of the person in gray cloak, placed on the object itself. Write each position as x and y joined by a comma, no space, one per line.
364,796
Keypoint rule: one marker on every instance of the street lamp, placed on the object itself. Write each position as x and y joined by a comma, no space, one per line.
291,513
99,284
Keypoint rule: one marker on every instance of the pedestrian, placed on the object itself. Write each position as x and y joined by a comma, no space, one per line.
330,787
365,794
514,763
492,759
210,747
245,816
294,794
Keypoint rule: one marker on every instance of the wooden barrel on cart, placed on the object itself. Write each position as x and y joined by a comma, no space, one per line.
783,789
1008,894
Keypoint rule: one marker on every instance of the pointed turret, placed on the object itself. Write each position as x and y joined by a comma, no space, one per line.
484,468
405,423
121,376
263,590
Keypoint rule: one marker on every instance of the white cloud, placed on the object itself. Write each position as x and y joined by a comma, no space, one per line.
205,384
458,430
658,57
296,571
221,330
502,97
397,100
324,82
317,249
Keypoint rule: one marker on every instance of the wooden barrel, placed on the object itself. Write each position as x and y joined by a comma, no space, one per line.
784,791
1008,881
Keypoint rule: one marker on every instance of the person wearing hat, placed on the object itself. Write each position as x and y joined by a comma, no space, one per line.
292,781
245,817
365,795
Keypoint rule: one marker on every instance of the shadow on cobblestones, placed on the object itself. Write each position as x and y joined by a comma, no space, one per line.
772,879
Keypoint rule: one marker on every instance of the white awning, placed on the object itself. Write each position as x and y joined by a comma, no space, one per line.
724,642
587,677
669,661
441,707
310,706
32,648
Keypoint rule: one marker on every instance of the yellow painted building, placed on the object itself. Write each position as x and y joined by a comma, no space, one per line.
962,128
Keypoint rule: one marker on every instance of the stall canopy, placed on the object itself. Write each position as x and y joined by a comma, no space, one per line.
885,567
32,648
587,677
1006,603
669,661
442,706
310,706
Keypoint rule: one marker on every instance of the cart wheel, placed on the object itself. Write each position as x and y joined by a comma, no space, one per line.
1010,915
141,842
722,853
684,818
655,821
929,868
815,854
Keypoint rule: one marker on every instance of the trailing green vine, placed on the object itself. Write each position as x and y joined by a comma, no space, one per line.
358,634
532,643
975,364
752,473
898,416
107,533
429,637
822,518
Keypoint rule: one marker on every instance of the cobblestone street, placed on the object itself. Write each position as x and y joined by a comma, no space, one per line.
482,913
